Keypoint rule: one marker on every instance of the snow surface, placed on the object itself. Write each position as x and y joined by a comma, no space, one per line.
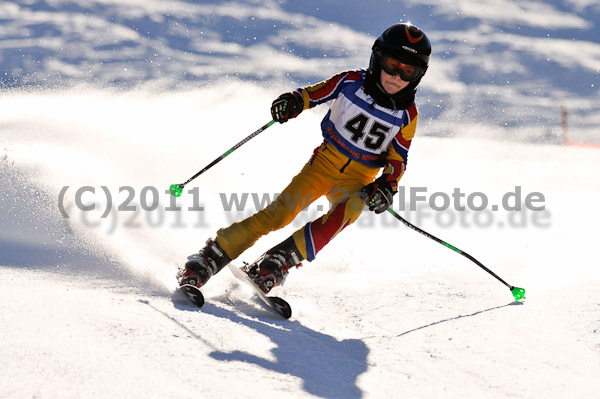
89,308
107,103
510,64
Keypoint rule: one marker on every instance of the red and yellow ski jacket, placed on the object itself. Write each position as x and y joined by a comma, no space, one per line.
360,129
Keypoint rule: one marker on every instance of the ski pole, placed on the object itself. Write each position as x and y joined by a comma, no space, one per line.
177,189
517,292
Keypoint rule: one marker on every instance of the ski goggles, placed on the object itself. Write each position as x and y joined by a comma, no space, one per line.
393,67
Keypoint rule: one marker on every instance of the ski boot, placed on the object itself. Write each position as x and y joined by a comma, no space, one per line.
202,265
271,269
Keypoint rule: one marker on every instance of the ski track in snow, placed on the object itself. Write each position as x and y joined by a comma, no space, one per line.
89,306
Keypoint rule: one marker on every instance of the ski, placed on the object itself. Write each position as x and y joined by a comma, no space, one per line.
193,294
273,303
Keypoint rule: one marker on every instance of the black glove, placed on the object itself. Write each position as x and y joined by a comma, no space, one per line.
287,106
379,194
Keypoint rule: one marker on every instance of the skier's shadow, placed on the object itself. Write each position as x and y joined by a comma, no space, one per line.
329,368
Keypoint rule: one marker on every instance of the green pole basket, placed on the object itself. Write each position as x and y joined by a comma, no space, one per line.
176,190
518,293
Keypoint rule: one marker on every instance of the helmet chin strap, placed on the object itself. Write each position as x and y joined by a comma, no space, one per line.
390,96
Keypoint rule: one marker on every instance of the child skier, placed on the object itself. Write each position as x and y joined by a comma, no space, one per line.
369,126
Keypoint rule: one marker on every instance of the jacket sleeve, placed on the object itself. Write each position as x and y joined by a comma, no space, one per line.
397,157
328,89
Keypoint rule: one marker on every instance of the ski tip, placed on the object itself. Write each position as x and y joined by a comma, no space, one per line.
193,294
518,293
281,307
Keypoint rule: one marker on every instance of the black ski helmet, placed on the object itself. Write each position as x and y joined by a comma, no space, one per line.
408,44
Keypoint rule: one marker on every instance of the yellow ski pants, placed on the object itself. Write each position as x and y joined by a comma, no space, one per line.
327,173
